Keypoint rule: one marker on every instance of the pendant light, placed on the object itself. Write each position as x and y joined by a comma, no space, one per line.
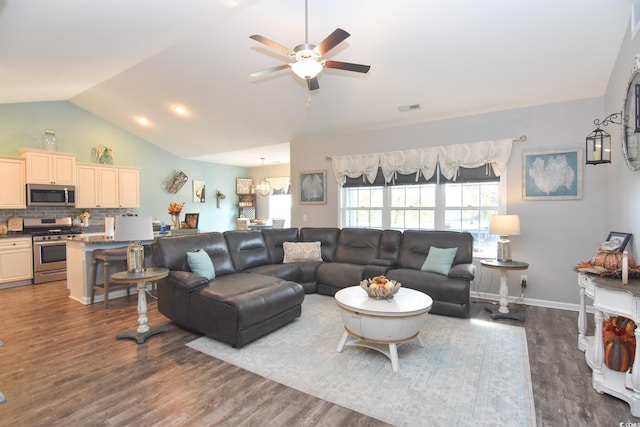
264,187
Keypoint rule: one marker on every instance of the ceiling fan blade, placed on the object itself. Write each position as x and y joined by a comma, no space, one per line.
272,44
313,84
332,40
358,68
270,70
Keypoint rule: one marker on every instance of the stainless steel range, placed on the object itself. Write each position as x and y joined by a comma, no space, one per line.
50,247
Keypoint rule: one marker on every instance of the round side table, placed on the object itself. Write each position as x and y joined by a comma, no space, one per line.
504,266
140,279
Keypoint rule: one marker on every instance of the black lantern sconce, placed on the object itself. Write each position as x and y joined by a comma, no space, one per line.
598,149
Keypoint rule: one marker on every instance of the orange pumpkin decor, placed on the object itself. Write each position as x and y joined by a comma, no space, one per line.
611,260
619,343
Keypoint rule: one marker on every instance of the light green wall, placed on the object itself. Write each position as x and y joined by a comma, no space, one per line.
77,131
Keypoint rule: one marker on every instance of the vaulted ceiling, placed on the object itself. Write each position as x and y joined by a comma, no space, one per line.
123,59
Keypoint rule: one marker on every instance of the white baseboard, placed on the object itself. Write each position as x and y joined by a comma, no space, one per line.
531,301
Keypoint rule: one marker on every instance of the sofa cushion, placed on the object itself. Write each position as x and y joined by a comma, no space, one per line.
416,243
339,275
389,250
283,271
274,238
200,264
301,251
358,245
439,260
328,238
171,251
248,249
450,296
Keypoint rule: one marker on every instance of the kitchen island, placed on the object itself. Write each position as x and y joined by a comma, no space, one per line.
80,259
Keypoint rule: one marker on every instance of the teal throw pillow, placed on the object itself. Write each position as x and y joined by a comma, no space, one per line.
439,260
200,264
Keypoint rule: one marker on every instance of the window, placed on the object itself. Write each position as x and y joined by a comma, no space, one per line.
280,207
444,205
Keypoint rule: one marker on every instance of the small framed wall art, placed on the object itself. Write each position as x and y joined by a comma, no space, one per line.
198,191
243,185
552,175
313,187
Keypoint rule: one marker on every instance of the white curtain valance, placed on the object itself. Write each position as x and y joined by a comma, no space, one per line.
280,183
424,161
365,165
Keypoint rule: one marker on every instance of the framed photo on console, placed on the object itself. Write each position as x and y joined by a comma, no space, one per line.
191,220
617,241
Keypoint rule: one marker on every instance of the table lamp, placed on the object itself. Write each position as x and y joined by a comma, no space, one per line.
504,226
134,229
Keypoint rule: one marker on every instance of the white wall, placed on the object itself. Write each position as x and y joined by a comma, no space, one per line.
622,198
556,235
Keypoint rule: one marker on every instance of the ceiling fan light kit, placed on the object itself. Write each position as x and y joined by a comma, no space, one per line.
307,69
308,57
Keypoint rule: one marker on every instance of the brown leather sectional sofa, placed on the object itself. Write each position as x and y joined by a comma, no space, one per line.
254,292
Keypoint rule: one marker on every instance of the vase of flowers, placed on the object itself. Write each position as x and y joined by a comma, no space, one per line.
84,217
174,211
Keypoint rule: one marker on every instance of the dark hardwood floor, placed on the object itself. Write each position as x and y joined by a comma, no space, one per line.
61,366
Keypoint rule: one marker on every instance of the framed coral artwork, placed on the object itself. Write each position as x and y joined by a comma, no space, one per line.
552,175
313,187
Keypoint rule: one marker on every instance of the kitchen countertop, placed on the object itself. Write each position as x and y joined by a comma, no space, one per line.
15,234
98,239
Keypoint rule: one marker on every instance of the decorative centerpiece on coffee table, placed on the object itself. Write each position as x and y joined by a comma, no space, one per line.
380,287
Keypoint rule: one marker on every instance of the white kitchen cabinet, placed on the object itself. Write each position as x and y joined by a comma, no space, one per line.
129,187
107,187
12,190
46,167
97,187
16,259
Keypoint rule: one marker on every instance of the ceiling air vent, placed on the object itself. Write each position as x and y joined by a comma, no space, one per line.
411,107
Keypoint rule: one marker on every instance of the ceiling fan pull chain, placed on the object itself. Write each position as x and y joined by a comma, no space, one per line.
308,99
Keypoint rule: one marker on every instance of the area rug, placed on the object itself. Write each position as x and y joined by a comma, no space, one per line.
469,372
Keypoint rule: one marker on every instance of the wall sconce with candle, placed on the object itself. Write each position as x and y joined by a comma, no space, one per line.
598,148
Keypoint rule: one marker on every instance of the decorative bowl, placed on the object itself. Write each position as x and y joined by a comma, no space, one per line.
375,289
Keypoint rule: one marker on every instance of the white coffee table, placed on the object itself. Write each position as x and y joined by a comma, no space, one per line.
381,324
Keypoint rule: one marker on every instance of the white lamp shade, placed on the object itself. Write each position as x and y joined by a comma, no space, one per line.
133,228
307,68
504,225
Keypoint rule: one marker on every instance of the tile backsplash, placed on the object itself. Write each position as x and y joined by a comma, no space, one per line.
96,222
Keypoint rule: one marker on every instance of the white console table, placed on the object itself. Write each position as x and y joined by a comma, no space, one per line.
610,297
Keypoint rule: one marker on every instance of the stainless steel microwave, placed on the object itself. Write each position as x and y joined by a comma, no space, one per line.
51,195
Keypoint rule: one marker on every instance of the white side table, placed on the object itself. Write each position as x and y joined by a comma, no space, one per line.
504,266
381,324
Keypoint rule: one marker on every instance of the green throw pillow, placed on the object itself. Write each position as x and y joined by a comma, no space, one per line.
200,264
439,260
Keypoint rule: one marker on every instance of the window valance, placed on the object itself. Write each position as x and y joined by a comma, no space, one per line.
423,161
280,185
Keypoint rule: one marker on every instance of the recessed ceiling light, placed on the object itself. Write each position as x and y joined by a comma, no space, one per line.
180,110
143,121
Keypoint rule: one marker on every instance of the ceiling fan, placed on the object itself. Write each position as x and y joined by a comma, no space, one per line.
308,57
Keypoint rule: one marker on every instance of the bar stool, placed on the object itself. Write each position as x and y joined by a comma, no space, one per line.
107,256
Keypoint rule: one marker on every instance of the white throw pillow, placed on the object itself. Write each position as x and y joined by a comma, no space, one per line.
301,251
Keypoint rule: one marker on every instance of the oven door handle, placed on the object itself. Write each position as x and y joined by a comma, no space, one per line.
66,196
